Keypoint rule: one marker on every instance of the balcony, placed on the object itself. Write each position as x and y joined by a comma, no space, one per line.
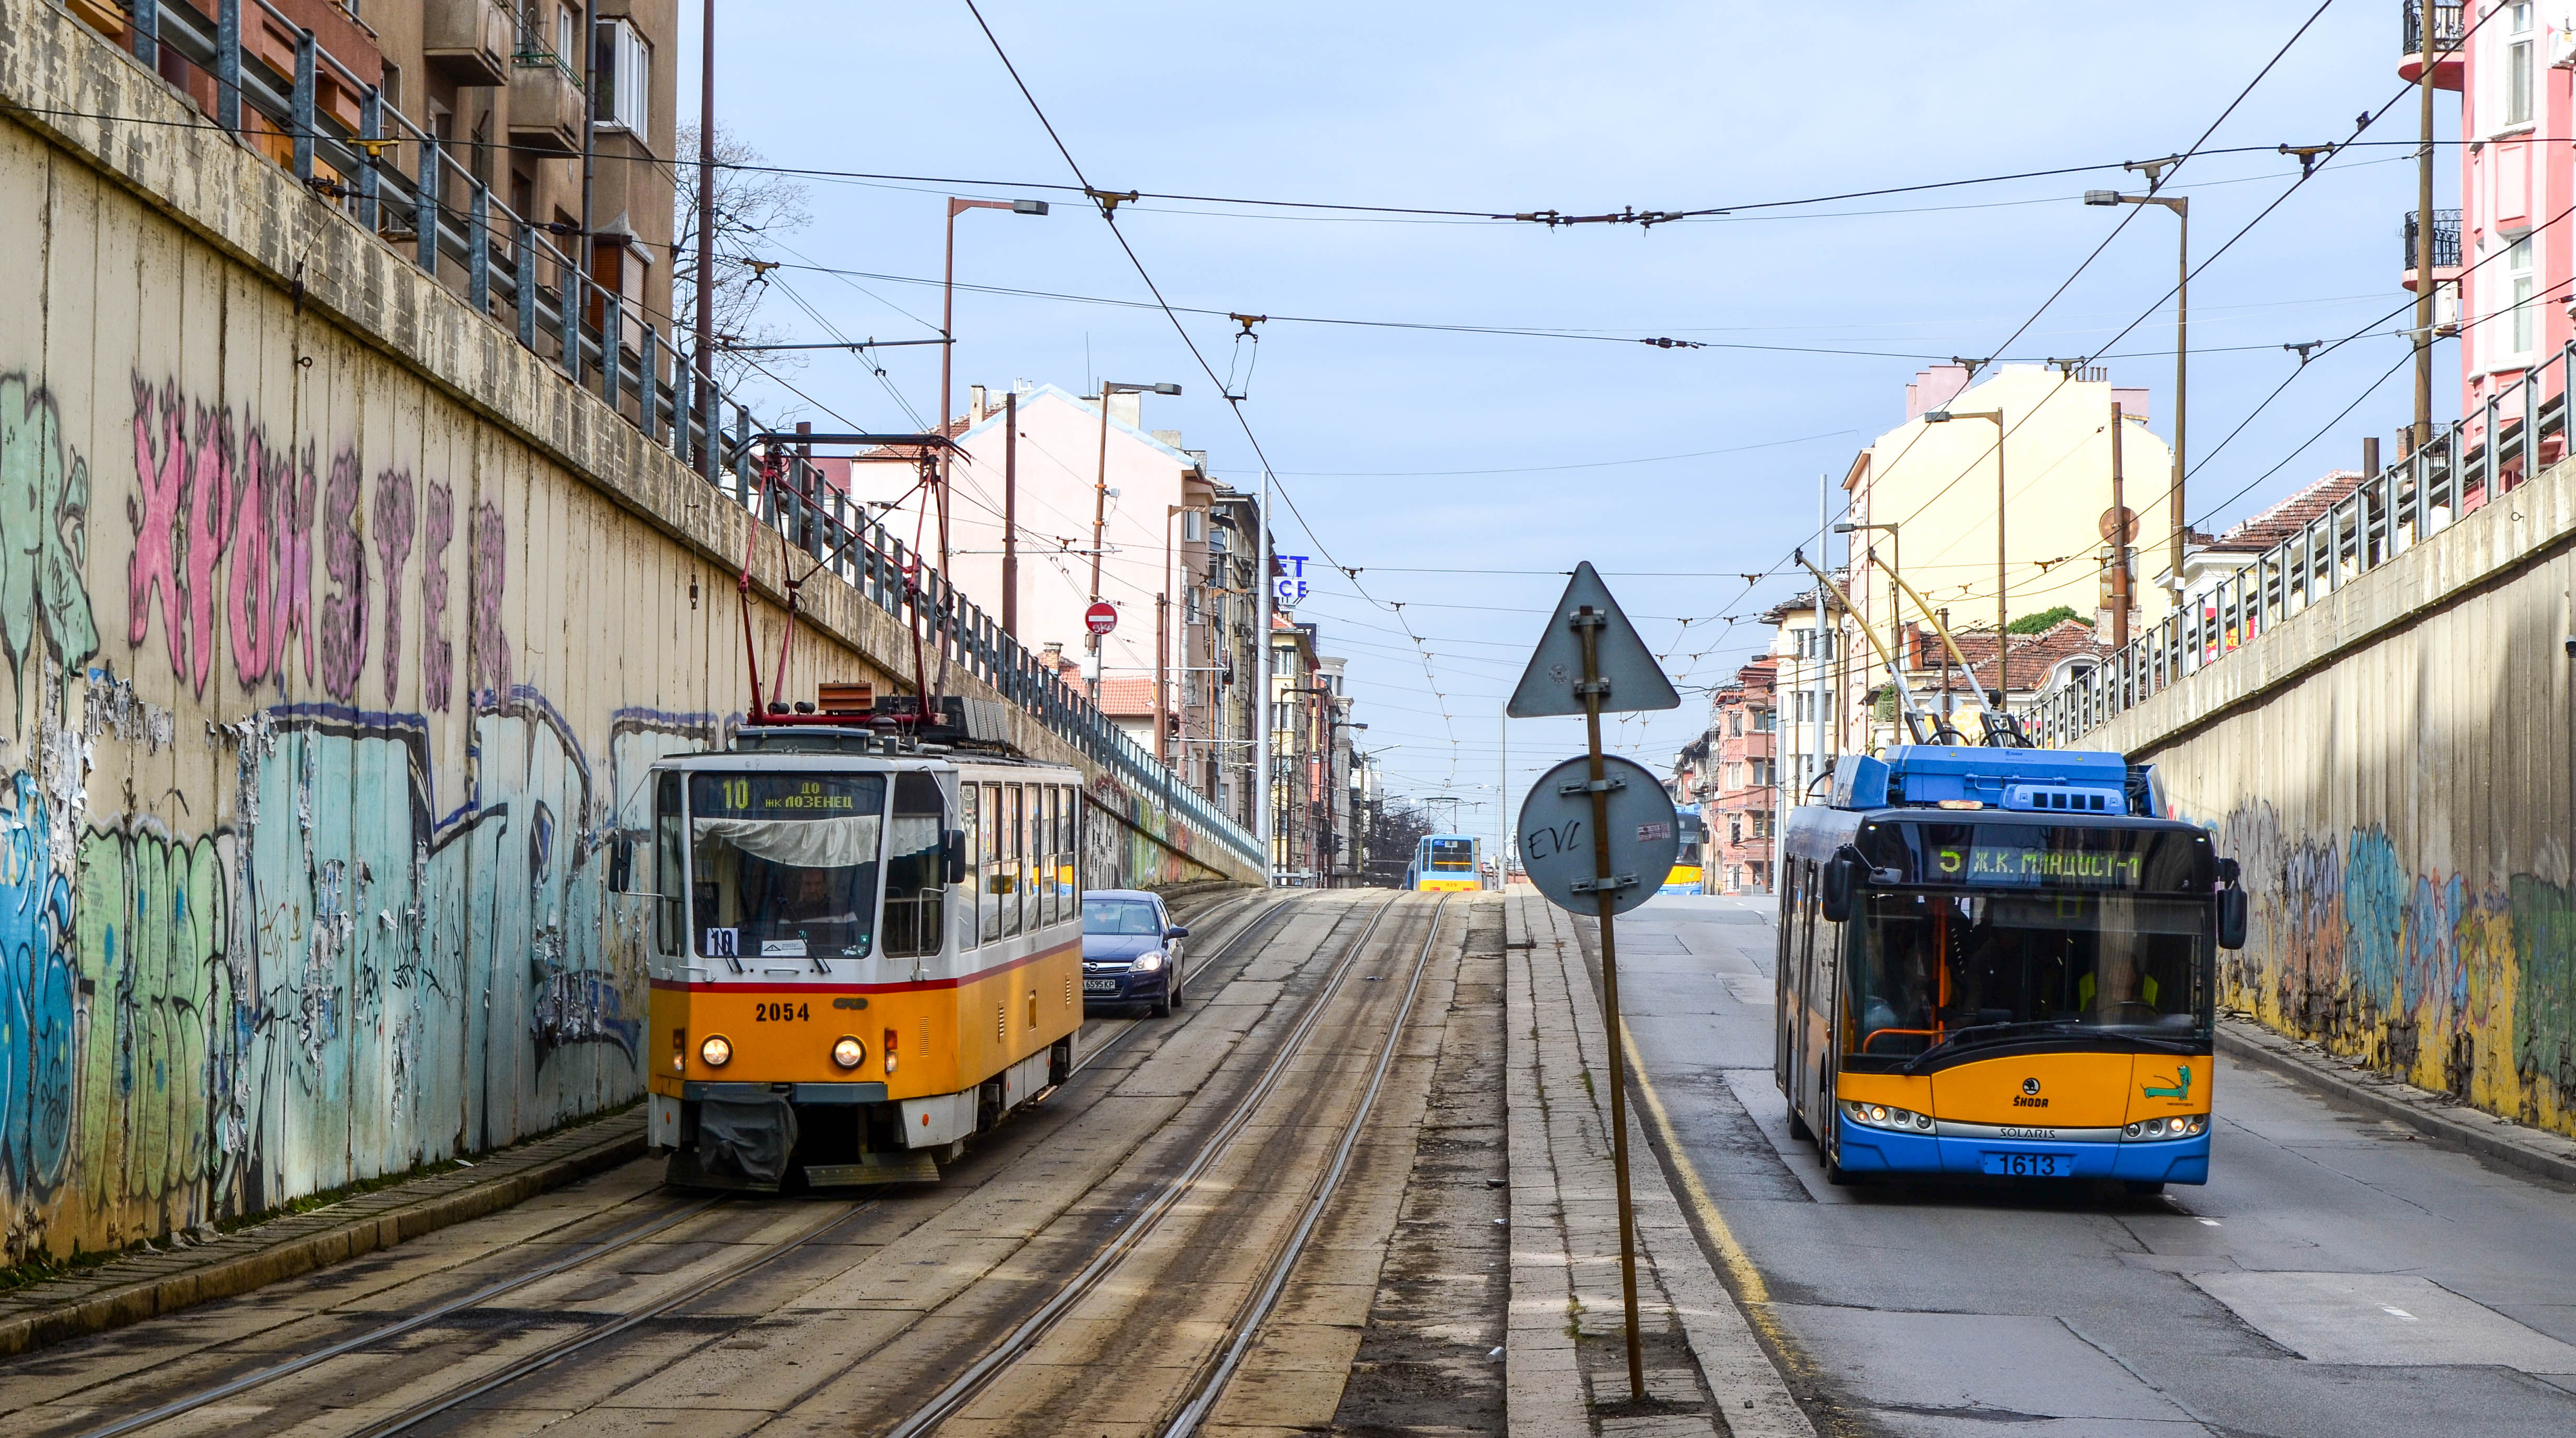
2446,248
468,42
2449,28
545,106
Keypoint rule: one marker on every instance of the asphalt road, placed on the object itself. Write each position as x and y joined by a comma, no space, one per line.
2338,1277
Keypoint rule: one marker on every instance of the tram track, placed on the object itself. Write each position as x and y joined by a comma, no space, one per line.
1249,927
1148,1217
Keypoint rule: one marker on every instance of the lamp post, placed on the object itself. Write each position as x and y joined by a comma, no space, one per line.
2181,207
1895,596
2003,674
948,338
1100,485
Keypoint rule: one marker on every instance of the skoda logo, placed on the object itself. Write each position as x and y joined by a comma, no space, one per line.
2030,1085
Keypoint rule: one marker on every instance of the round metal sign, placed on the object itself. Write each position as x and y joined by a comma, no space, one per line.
1101,617
2119,525
1556,836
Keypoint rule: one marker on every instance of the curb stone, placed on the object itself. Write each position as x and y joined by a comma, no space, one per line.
145,1285
2546,1155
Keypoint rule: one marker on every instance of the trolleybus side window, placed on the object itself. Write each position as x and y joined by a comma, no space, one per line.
784,866
969,900
915,915
994,891
670,885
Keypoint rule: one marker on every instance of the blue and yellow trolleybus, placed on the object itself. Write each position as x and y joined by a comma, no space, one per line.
1446,861
2001,961
1689,873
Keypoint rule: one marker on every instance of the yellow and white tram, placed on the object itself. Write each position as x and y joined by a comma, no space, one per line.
864,950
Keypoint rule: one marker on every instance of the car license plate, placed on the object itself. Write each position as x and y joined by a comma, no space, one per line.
1100,986
2031,1165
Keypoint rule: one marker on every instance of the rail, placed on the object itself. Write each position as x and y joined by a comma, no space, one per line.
399,183
2476,459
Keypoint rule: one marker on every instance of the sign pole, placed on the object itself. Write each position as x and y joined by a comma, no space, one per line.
1587,623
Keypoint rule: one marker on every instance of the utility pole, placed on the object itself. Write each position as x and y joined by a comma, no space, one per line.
1824,521
2422,433
1010,511
706,318
1261,681
2119,527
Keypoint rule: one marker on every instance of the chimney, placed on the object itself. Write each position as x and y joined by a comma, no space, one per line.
975,405
1053,656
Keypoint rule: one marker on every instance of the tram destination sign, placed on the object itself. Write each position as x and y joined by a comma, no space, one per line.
1556,836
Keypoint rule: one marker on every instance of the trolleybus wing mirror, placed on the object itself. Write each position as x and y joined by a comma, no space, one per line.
1842,871
2231,905
952,857
621,865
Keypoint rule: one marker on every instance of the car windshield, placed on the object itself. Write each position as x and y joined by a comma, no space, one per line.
1126,917
784,866
1958,970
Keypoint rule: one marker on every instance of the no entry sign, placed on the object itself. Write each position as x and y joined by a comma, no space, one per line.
1102,616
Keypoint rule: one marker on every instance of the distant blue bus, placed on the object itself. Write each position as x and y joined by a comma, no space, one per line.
1690,869
1446,862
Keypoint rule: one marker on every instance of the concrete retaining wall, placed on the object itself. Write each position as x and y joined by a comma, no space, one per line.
339,630
2393,768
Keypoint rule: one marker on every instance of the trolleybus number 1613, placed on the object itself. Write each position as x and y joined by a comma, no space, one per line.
2031,1165
780,1013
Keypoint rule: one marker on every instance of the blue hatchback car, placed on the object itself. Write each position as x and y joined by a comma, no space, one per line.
1131,950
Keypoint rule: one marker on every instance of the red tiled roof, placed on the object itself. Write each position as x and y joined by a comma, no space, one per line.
2289,516
2032,655
1127,696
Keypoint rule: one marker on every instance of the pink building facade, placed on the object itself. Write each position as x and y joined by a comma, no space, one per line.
2505,273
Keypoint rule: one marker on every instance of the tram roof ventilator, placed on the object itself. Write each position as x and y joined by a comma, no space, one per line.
2043,781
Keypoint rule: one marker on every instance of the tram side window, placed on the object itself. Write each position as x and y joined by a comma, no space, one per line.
669,885
995,891
915,917
1015,839
969,897
1050,800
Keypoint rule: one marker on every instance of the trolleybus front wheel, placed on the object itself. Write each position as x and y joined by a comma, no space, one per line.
1798,1127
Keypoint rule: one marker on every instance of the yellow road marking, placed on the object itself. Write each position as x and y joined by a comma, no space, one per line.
1748,1279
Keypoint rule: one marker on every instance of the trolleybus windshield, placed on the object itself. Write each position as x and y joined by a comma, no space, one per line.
1453,856
1948,972
784,866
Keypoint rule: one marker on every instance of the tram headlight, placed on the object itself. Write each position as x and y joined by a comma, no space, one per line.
717,1051
1148,963
849,1053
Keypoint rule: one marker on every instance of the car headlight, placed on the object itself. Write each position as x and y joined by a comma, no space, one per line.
717,1051
849,1053
1148,963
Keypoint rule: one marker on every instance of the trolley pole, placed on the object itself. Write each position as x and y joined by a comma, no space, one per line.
1587,624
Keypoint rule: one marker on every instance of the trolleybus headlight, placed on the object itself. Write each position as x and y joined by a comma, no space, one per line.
717,1051
849,1053
2130,1130
2199,1121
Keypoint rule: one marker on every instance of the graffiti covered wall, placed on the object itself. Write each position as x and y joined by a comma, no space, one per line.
2392,768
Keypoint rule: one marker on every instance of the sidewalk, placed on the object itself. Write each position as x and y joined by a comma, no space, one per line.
2435,1115
1566,1357
142,1285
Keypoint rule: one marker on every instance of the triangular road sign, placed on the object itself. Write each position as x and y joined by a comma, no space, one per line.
1635,680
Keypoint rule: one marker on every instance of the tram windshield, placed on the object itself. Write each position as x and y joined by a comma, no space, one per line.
784,866
1453,856
1954,971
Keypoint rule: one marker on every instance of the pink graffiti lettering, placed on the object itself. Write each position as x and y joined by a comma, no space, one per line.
160,470
344,555
487,650
393,522
250,588
209,492
437,654
294,612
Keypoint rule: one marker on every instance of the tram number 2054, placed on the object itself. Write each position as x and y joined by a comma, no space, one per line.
780,1013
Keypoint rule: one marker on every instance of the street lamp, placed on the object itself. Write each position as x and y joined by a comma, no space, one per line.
2003,686
2181,207
948,339
1100,486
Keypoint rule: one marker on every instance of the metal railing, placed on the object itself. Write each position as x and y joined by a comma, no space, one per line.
2449,26
2446,239
2476,459
400,184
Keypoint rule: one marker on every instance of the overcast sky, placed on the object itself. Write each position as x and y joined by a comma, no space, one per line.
1461,473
